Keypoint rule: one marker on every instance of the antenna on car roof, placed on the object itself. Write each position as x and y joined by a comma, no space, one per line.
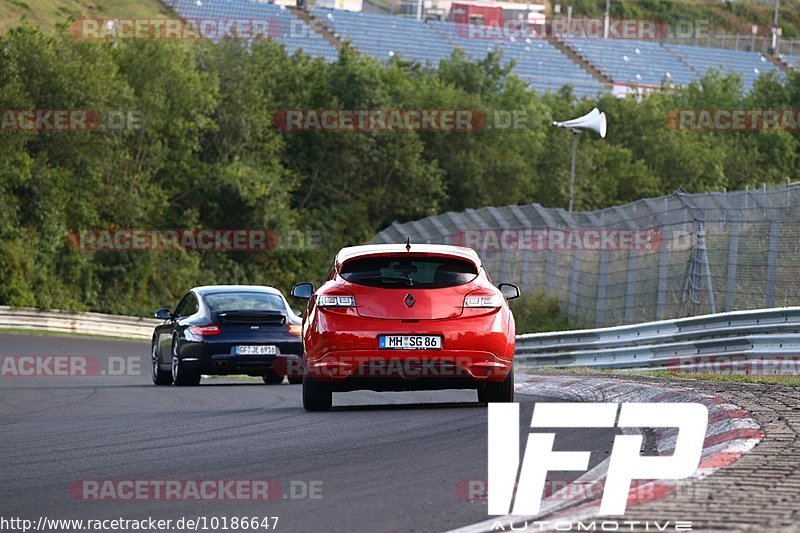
408,244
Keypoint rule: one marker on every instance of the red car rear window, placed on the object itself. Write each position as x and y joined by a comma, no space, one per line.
391,272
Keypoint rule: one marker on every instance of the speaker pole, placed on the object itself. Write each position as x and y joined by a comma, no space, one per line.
594,120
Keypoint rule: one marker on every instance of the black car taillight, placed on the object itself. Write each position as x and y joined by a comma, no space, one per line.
206,331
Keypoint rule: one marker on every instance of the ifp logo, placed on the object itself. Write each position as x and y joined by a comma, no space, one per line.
625,465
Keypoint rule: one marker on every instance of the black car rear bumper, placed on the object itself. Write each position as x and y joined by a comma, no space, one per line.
217,358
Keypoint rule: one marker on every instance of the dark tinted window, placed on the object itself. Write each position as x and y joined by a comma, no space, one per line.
245,301
188,306
409,271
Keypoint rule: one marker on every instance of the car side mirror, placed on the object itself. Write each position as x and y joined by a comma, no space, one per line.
163,314
509,290
304,291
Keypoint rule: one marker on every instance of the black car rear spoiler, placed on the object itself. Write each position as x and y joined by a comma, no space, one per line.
252,317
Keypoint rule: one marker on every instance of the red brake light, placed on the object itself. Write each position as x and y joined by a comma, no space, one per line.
336,301
206,331
483,300
295,329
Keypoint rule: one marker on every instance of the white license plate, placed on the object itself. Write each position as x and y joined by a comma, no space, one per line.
410,342
257,350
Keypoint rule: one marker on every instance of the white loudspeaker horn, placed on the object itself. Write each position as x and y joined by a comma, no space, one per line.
593,120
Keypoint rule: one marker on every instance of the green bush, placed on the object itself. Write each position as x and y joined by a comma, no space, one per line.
536,313
209,155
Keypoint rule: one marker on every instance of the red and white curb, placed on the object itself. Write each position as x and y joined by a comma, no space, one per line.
731,433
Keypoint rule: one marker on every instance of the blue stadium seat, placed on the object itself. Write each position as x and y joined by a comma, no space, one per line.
284,27
384,37
538,62
749,65
794,61
629,61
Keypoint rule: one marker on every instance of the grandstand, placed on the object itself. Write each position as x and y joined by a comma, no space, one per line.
538,62
749,65
284,27
635,62
384,36
589,65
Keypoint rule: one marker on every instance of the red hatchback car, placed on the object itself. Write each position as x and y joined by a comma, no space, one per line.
407,317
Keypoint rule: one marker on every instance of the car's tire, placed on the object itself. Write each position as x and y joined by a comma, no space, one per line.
316,395
296,380
160,377
271,378
501,392
182,376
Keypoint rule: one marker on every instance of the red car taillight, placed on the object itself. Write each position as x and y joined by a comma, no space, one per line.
206,331
483,300
295,329
336,301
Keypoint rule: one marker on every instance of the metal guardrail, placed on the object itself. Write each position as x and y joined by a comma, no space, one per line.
77,323
768,334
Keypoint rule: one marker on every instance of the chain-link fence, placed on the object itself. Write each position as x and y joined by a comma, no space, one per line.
657,258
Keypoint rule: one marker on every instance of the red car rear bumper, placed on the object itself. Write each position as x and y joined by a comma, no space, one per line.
342,346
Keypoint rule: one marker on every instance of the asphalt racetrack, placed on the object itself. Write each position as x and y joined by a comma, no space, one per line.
376,462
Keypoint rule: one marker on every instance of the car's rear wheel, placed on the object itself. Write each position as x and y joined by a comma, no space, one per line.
182,376
316,395
160,377
271,378
502,392
295,380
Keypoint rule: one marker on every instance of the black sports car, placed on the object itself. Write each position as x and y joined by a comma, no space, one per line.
228,329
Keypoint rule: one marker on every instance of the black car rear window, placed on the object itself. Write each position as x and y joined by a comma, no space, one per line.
409,271
244,301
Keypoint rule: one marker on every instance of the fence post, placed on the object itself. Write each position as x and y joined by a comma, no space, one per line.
733,255
573,281
772,263
548,272
600,309
633,260
772,249
663,273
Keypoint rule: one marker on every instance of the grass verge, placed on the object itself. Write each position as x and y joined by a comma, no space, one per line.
763,379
